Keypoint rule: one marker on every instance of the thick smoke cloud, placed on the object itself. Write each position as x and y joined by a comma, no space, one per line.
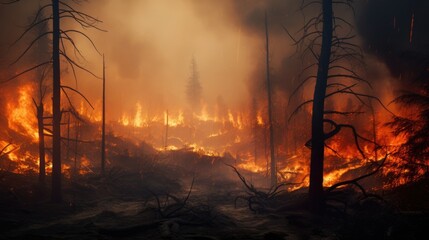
149,46
150,43
385,27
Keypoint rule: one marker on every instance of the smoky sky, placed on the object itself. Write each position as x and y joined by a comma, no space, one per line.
149,45
385,27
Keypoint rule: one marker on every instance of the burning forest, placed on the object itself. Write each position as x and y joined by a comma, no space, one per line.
214,119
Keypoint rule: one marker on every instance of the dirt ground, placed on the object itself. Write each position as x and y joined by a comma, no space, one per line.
167,200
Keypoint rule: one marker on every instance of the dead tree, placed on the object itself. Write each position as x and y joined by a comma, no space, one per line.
317,132
41,51
166,131
103,124
337,57
60,10
254,116
194,89
273,164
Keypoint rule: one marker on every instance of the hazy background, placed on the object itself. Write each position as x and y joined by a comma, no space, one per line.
150,43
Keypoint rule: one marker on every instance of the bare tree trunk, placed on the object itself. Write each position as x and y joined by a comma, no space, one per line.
56,105
103,126
316,194
374,130
273,165
68,138
166,133
77,125
255,129
42,164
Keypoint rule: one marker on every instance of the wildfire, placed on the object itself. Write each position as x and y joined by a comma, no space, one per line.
206,134
21,117
175,121
85,166
252,167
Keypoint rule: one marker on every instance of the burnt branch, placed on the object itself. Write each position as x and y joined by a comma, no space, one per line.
26,71
71,41
2,151
30,27
297,109
259,200
72,62
356,180
302,83
30,46
342,113
358,95
85,36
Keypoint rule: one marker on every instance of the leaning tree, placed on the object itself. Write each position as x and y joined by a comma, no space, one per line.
62,41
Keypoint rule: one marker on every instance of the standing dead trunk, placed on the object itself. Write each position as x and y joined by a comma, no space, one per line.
40,125
77,126
374,130
255,129
316,194
103,126
56,105
166,132
273,165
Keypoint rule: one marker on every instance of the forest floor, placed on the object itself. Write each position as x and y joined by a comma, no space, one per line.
170,201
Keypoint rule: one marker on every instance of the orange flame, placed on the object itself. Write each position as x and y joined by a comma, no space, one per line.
21,116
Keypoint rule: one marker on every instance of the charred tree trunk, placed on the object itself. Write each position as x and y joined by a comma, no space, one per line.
166,132
273,164
316,194
41,126
56,105
255,129
77,126
374,130
103,126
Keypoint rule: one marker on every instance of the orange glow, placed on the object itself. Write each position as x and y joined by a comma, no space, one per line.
234,130
252,167
85,166
21,116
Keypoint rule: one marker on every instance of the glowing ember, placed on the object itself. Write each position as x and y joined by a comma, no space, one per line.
252,167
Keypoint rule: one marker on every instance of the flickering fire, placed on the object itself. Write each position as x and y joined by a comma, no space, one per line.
85,166
207,134
21,116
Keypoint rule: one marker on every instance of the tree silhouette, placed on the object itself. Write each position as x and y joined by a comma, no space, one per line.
194,89
317,132
273,164
41,51
328,39
60,10
415,150
103,124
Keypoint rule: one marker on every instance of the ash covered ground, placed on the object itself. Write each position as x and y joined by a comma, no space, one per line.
186,195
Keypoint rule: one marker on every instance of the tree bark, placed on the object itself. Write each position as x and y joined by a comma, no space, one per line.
316,194
56,106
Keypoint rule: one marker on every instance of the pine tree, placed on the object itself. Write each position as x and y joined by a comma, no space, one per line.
194,89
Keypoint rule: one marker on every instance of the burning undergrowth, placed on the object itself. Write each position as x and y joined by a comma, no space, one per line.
139,140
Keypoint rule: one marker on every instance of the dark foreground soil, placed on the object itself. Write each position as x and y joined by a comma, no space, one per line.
172,201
